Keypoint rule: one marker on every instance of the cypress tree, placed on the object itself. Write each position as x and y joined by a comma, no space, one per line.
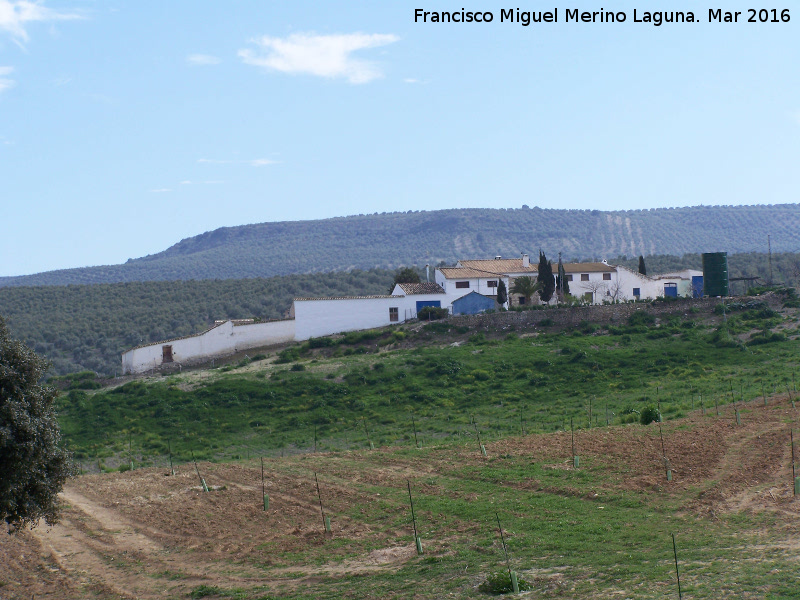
561,279
502,296
642,268
546,278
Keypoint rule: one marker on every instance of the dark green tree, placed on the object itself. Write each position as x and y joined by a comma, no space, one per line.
33,466
642,267
562,284
502,295
405,275
525,286
546,278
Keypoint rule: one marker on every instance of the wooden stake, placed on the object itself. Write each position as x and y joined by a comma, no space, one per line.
263,488
414,424
364,421
169,449
763,393
202,481
677,572
505,551
480,443
794,476
315,439
667,470
417,541
321,510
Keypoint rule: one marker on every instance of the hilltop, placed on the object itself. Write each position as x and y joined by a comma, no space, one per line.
390,240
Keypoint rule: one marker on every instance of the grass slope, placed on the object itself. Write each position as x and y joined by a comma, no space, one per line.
446,377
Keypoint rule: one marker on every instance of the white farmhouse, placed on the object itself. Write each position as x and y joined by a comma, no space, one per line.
595,282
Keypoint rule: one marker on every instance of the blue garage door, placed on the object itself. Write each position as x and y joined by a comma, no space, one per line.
697,286
421,303
670,290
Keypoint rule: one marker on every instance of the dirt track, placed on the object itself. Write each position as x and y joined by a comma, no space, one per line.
143,534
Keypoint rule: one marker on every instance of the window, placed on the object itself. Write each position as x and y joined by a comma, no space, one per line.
588,296
521,300
637,292
606,276
462,284
491,284
584,277
394,313
569,277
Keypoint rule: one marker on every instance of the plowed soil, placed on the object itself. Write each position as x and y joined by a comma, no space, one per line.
148,534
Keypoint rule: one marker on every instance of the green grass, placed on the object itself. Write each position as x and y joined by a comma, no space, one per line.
503,386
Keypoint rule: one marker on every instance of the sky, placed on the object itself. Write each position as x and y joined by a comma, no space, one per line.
128,126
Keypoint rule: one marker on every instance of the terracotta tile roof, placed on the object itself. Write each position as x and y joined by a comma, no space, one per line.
499,266
593,267
474,269
427,287
465,273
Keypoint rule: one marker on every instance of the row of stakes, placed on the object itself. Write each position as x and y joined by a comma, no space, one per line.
522,422
511,573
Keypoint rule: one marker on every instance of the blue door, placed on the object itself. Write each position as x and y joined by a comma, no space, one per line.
670,290
421,303
697,286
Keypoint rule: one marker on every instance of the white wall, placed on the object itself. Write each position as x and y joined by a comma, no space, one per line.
222,340
326,316
480,285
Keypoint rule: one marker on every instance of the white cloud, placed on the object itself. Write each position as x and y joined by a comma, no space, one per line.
202,59
15,15
322,55
261,162
5,82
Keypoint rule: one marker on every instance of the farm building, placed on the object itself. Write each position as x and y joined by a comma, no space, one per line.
468,288
473,304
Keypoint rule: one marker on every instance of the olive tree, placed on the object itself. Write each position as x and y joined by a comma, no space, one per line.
33,465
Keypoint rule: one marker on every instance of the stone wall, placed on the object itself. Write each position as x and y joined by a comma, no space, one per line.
608,314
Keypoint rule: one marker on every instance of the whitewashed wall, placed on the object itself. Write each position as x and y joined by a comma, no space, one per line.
222,340
326,316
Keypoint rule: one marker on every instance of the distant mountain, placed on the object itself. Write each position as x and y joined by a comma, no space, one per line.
389,240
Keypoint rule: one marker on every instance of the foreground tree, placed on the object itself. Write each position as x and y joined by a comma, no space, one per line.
33,466
546,278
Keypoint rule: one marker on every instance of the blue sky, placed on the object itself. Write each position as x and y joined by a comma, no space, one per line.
127,126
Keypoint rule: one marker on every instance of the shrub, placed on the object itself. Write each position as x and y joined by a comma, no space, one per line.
641,318
649,415
500,583
432,313
298,367
546,322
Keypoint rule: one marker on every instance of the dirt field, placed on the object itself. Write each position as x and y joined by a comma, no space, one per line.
146,534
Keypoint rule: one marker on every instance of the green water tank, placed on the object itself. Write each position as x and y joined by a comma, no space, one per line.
715,274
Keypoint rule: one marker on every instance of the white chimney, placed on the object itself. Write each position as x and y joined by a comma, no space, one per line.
526,261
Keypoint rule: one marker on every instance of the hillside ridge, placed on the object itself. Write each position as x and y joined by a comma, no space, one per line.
389,240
